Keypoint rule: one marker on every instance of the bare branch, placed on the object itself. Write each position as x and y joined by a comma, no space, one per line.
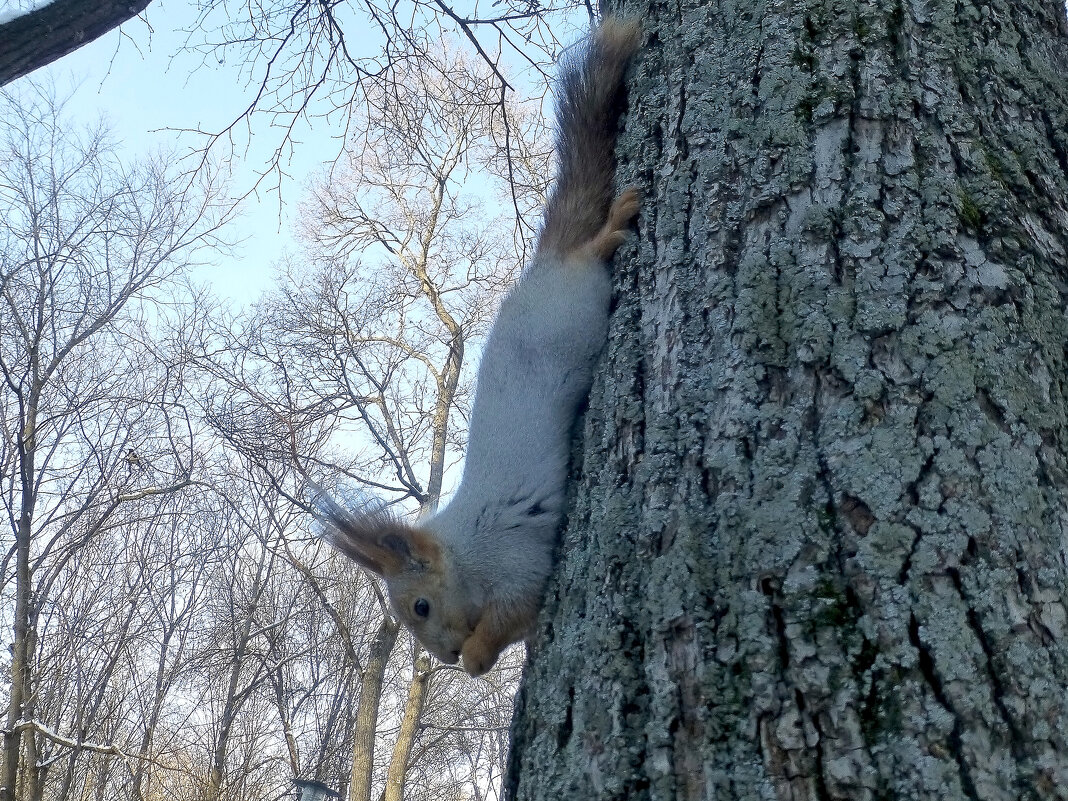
39,37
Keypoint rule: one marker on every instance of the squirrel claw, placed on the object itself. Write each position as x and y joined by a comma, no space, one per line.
613,232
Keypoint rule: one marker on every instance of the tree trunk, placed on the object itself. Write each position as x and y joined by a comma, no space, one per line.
409,728
19,772
817,548
161,683
236,695
363,746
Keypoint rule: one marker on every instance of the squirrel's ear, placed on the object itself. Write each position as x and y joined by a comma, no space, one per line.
375,539
383,547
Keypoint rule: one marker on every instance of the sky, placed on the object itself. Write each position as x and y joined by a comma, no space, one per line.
146,87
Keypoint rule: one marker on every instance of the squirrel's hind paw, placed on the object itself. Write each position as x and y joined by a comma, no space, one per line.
624,208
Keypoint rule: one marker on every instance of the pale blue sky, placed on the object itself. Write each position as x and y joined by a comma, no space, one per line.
139,78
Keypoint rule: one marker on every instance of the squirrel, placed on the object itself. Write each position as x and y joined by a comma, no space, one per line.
468,580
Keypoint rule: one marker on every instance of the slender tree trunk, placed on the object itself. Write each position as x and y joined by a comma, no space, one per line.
278,685
231,706
144,750
363,746
447,383
20,662
413,709
235,694
21,700
818,546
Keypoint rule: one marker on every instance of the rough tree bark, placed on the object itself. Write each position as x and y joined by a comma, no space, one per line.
817,548
38,38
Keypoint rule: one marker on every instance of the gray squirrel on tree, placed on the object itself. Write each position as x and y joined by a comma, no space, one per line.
468,580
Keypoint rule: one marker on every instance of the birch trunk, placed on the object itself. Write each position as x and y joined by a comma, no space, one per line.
409,728
817,548
363,747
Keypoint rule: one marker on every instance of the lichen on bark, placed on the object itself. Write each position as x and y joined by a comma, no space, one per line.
817,544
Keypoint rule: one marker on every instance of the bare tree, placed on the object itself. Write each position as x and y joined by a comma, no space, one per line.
407,258
238,649
304,59
87,244
182,562
325,657
406,252
114,647
395,350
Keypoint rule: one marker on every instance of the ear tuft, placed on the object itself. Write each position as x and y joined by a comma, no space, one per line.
369,535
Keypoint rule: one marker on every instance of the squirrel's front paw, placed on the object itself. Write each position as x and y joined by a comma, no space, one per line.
478,656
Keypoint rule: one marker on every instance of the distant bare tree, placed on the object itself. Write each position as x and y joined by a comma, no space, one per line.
406,249
89,424
125,611
181,560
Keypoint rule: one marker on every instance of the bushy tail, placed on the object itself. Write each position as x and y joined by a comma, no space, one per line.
587,117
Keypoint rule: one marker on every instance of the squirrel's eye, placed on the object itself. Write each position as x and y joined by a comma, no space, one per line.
422,607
